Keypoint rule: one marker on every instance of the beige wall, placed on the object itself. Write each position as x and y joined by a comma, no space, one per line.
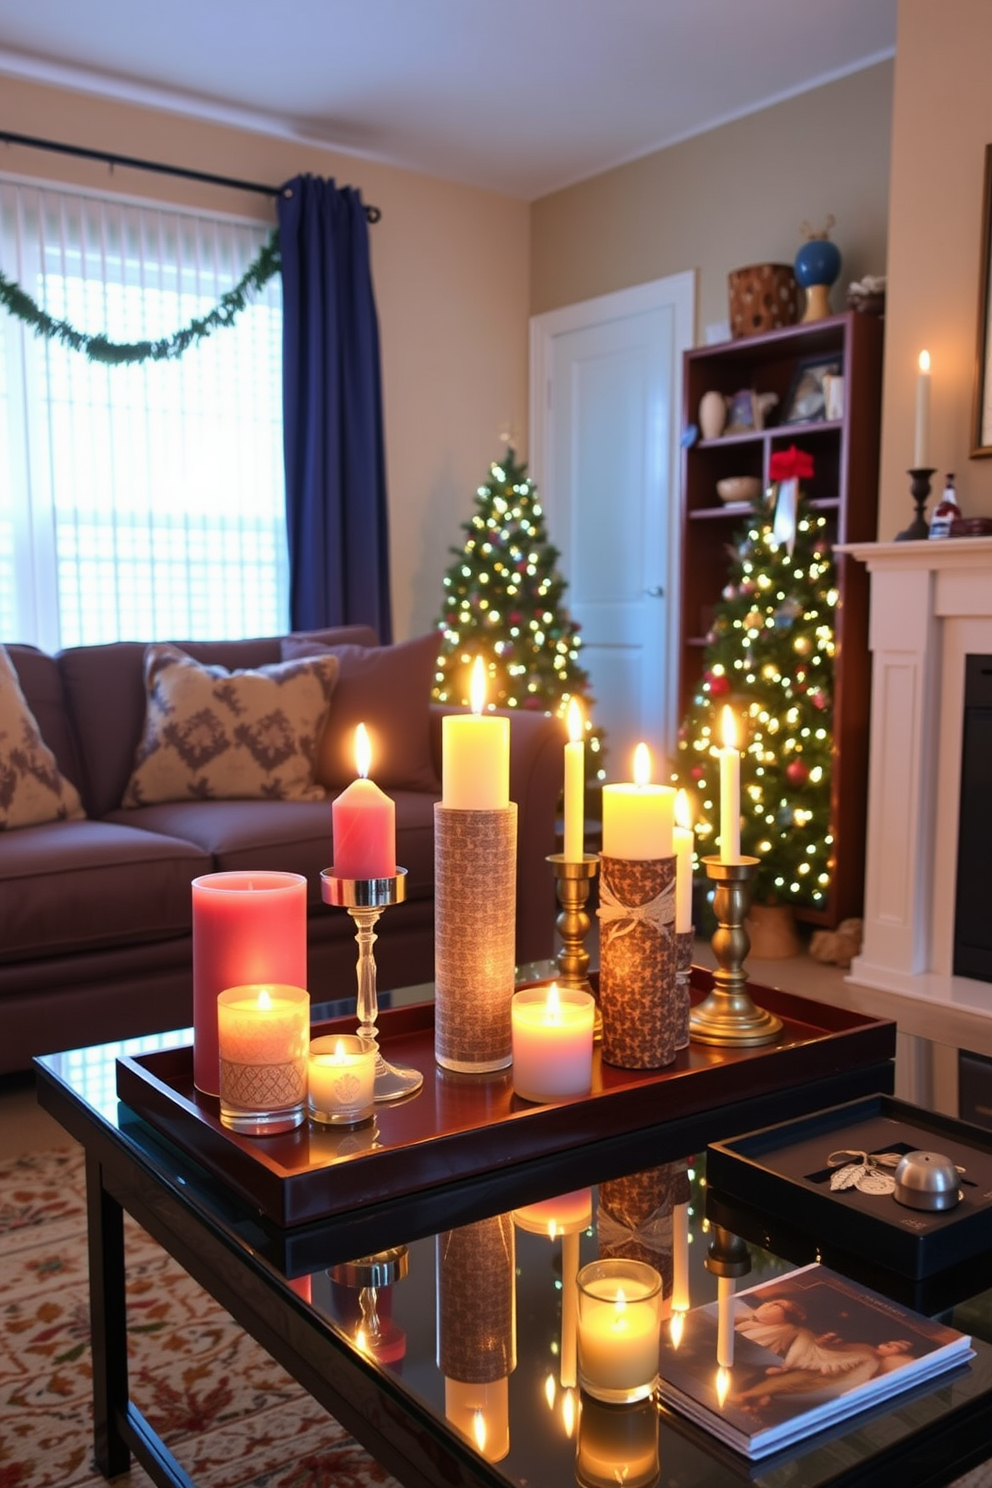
734,196
451,280
942,121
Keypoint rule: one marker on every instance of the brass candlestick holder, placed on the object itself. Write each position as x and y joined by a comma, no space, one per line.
728,1016
365,899
573,879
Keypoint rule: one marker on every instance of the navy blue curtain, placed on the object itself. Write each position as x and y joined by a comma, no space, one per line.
332,412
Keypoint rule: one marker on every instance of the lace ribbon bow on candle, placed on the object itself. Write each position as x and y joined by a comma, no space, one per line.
863,1170
659,911
613,1234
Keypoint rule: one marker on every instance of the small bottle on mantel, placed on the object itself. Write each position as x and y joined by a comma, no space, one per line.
946,512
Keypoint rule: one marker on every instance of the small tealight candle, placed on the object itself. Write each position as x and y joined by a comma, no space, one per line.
341,1079
619,1329
552,1037
262,1033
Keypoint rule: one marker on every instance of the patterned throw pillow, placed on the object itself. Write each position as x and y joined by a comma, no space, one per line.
32,789
211,734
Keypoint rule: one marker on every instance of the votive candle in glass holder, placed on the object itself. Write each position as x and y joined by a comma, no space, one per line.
341,1079
263,1032
552,1036
619,1329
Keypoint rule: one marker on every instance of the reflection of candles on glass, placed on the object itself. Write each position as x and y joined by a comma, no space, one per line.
723,1378
638,818
575,785
921,442
617,1446
476,1349
566,1215
730,792
481,1412
680,1257
568,1413
725,1322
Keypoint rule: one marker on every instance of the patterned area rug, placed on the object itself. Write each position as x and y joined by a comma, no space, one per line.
232,1417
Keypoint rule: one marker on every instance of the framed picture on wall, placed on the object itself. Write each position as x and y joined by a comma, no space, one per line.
981,437
807,400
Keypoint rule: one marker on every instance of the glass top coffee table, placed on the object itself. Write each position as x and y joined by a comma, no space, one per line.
350,1304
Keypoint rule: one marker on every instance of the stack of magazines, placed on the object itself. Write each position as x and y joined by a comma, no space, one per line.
809,1348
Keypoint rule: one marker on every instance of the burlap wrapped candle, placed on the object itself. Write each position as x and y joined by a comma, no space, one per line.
638,962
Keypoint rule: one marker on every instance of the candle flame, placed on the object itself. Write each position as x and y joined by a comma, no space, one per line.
924,361
477,686
479,1430
552,1005
550,1390
568,1413
722,1385
676,1326
642,765
619,1309
729,725
264,1000
363,751
339,1049
683,811
576,727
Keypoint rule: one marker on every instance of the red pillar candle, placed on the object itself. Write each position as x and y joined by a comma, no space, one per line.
247,928
364,823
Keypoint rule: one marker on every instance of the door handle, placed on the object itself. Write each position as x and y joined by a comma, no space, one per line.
655,592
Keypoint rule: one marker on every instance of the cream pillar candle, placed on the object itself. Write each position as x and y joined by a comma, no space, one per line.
575,785
475,755
552,1033
638,819
730,792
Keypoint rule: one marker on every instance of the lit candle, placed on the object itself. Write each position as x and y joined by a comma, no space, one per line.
552,1036
638,819
921,445
619,1329
680,1257
575,784
262,1035
475,755
730,792
341,1079
683,841
248,928
725,1322
364,823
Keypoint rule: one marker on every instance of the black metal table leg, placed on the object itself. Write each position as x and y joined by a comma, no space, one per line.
108,1322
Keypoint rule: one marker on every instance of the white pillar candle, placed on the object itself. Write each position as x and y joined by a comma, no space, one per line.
475,755
638,819
341,1079
683,841
552,1036
730,792
619,1329
725,1322
921,443
575,785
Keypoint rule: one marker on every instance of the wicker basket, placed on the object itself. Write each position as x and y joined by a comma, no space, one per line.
762,298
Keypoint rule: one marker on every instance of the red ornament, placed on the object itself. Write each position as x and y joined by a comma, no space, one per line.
697,772
818,699
797,772
719,684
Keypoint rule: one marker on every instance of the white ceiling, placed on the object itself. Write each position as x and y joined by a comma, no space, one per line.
516,96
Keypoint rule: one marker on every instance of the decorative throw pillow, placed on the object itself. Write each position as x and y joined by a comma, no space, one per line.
211,734
32,788
388,688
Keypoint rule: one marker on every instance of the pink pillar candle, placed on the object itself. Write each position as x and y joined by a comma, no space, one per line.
247,928
552,1035
364,825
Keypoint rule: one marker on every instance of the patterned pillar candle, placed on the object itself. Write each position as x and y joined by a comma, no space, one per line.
263,1032
638,962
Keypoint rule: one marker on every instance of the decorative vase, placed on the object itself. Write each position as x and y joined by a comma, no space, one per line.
712,414
763,297
817,267
772,932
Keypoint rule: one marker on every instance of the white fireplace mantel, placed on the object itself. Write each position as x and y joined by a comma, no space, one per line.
931,606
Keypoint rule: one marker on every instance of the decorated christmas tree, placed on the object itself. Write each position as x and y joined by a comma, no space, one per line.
769,656
503,601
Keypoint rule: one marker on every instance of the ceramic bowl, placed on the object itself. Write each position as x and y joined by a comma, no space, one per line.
738,488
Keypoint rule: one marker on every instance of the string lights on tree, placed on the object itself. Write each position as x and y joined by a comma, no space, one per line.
503,601
770,654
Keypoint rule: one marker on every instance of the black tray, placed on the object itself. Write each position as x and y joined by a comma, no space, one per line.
782,1171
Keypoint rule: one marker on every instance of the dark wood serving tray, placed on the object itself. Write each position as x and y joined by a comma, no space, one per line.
461,1126
781,1171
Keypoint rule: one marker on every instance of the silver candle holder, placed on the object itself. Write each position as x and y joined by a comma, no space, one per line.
365,899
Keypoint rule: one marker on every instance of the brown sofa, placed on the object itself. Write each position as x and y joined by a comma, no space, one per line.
95,914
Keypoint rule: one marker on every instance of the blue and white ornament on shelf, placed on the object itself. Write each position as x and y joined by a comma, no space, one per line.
817,267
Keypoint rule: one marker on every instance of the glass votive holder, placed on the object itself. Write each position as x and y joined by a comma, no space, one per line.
552,1034
617,1444
619,1329
341,1079
263,1032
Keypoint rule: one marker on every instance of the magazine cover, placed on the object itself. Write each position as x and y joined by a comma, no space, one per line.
810,1348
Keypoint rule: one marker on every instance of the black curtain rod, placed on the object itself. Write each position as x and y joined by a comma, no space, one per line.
372,214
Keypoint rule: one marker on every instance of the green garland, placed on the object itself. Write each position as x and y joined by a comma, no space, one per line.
119,353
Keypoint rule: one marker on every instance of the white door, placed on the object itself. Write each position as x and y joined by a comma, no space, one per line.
605,409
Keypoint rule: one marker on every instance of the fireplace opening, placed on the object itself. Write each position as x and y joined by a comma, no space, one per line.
973,899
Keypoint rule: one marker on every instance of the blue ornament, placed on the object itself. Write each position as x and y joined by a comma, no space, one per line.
817,266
